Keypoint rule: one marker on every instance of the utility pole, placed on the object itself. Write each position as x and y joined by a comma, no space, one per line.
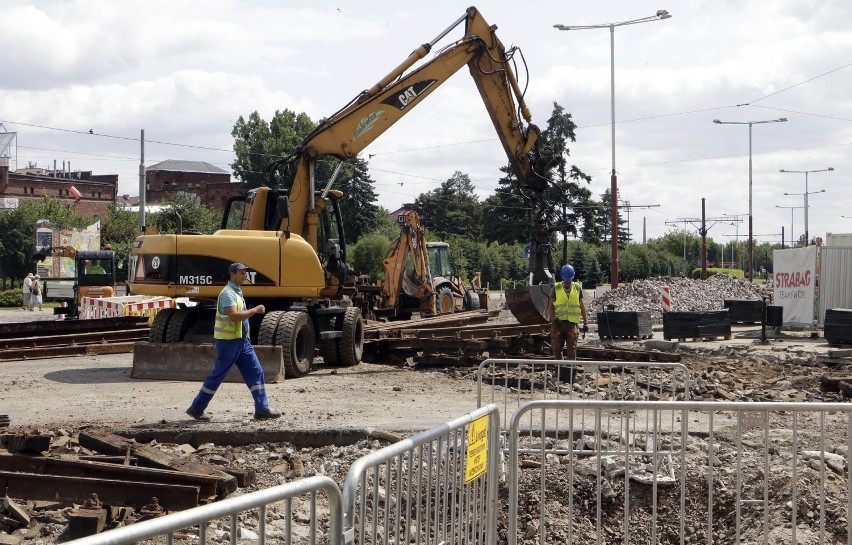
142,183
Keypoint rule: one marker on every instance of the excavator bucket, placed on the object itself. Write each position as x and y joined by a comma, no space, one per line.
530,305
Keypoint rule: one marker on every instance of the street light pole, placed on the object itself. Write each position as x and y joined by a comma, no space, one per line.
613,184
750,216
792,239
806,193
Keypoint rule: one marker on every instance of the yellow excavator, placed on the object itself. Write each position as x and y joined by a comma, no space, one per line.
291,234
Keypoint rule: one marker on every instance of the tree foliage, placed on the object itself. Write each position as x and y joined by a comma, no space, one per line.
452,209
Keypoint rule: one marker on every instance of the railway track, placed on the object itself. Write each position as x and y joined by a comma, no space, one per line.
56,339
468,338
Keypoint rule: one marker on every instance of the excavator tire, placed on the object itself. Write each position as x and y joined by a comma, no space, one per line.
471,300
159,327
179,324
351,346
346,351
445,300
295,334
269,327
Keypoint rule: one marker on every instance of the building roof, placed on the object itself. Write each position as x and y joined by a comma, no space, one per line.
174,165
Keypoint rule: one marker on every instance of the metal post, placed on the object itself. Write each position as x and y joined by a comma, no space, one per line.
142,183
613,188
750,231
807,237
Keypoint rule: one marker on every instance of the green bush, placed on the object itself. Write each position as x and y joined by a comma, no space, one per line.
12,298
736,273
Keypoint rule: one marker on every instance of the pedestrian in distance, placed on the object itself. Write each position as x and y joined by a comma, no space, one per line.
36,292
233,347
27,291
567,309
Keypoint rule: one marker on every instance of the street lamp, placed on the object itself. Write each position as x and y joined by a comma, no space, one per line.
750,218
613,190
792,239
806,193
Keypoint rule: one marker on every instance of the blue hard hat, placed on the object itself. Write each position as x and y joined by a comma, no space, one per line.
567,272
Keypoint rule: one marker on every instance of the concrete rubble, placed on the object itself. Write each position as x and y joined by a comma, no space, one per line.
687,295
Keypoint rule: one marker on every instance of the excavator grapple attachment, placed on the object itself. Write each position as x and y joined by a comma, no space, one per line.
530,305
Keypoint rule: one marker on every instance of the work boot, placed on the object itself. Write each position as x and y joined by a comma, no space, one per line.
198,415
266,414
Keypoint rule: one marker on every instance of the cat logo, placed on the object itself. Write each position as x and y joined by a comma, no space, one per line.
408,95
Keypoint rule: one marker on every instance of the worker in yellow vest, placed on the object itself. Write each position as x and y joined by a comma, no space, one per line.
567,310
233,347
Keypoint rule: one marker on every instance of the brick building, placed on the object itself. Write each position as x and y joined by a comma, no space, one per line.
212,184
96,192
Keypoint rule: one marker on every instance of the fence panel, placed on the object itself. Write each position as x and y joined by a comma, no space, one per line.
439,486
509,383
301,496
728,473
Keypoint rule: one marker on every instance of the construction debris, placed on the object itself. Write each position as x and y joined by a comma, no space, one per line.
686,295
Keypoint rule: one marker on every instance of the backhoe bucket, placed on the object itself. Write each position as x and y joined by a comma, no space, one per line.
530,305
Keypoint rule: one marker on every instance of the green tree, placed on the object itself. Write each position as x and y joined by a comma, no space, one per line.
452,209
185,209
603,216
369,254
17,245
357,207
258,143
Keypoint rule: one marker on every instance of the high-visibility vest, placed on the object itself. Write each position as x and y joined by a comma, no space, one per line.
223,328
567,305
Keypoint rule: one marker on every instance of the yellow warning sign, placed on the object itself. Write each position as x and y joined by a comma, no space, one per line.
476,461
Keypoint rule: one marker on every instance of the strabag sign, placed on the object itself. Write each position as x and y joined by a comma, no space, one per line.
795,284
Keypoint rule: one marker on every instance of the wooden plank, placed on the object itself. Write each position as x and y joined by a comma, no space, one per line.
77,489
110,443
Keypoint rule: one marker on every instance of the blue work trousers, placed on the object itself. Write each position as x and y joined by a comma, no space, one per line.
241,353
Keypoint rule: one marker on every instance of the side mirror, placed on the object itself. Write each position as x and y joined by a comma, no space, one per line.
282,209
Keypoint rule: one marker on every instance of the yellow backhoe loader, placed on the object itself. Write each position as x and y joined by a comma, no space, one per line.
291,234
419,278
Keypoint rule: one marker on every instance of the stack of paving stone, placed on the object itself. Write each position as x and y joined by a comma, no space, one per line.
624,325
696,325
838,326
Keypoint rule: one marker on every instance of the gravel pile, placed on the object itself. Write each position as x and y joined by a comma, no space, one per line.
686,295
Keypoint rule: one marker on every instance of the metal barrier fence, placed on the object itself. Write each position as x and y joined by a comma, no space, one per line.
261,500
732,473
439,486
509,383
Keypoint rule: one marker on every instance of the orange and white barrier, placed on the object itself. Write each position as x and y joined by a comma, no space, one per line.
131,305
666,299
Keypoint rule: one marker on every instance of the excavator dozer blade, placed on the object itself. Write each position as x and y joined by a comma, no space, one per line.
530,305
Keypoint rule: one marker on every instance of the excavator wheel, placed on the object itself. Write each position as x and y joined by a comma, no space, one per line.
179,324
346,351
445,300
269,327
471,300
295,334
159,327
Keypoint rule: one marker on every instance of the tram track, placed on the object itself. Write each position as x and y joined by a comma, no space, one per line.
55,339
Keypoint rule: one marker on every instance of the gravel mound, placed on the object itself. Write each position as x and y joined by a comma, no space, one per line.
686,294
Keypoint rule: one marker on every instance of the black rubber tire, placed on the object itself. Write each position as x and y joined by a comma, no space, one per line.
160,324
351,346
328,351
445,301
179,323
295,334
471,300
269,327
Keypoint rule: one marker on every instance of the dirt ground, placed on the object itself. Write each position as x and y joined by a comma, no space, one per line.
61,396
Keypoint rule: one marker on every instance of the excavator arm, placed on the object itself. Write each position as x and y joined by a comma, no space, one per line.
419,283
372,112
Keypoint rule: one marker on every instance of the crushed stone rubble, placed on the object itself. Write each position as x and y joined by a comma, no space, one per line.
686,294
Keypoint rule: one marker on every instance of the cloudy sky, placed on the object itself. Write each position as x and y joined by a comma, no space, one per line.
185,71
